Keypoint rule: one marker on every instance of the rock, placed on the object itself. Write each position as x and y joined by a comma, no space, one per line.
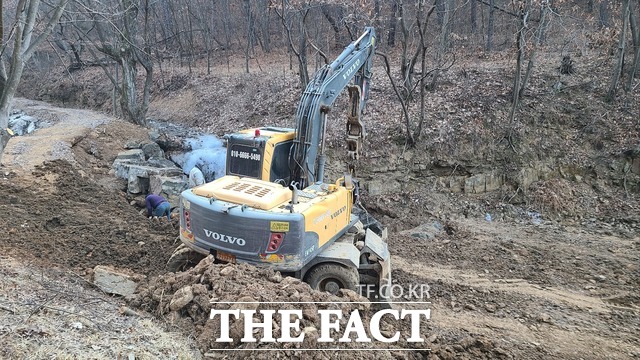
168,186
311,314
482,183
131,165
456,184
125,310
76,325
470,307
245,303
152,151
433,338
133,144
181,298
130,155
276,278
600,278
425,231
490,308
161,163
474,184
115,281
226,271
375,187
31,127
139,176
309,330
169,142
22,124
544,317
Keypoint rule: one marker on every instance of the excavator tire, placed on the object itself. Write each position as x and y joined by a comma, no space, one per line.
183,259
333,277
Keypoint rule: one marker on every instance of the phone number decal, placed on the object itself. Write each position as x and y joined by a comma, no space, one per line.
245,155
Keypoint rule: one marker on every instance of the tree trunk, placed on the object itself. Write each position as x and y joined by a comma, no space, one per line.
490,21
445,28
302,53
247,9
542,24
603,15
335,26
128,95
635,32
474,15
520,43
617,69
23,48
391,39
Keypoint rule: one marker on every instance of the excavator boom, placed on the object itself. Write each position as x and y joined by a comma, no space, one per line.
354,63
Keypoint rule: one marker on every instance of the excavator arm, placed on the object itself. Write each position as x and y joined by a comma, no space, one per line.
352,69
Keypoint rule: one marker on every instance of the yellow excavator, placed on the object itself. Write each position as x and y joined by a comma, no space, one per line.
273,208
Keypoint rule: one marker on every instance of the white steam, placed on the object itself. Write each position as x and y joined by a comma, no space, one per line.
207,151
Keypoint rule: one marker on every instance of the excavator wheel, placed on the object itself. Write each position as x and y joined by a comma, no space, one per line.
333,277
183,259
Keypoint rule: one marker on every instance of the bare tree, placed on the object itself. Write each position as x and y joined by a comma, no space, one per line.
119,37
393,21
334,14
617,68
413,78
490,25
25,41
474,15
291,18
635,32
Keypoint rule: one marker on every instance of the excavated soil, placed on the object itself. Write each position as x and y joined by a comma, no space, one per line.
65,218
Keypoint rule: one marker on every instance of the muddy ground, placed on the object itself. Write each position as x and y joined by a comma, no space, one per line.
517,286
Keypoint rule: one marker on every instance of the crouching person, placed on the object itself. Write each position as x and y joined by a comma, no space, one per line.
157,206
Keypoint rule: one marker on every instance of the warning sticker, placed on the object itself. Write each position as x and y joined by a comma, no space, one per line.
279,226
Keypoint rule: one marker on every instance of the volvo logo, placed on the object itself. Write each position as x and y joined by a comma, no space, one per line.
356,65
224,238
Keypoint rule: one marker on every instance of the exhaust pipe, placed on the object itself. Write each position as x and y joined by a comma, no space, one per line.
294,195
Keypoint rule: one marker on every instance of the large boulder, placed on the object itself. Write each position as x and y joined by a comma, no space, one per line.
132,166
168,186
22,124
124,160
152,151
139,176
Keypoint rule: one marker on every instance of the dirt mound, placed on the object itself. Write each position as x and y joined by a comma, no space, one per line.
66,218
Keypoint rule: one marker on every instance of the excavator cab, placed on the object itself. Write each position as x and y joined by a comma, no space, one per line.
260,153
